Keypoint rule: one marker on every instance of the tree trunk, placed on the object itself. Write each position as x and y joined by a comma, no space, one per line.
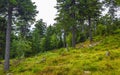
73,37
73,27
64,39
95,27
90,30
8,32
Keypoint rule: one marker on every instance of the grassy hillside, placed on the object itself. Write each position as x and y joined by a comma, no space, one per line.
86,59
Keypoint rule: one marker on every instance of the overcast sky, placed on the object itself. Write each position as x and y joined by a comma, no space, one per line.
46,10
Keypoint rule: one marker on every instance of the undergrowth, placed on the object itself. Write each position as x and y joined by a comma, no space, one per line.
86,59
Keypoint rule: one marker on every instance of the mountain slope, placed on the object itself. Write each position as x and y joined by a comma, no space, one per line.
100,58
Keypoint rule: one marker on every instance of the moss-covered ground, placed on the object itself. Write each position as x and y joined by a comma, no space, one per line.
86,59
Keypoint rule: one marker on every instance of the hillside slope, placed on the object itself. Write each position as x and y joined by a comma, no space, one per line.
100,58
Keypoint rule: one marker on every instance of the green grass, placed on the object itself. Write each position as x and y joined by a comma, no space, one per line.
85,60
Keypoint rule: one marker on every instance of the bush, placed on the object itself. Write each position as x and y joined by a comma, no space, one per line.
20,48
69,39
81,37
117,31
101,29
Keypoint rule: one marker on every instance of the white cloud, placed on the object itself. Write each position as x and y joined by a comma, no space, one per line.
46,10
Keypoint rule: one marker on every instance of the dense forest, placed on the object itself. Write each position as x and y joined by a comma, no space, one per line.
77,21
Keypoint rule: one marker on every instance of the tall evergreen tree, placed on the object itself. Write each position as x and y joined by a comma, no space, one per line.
37,35
17,9
66,16
112,5
90,10
71,12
